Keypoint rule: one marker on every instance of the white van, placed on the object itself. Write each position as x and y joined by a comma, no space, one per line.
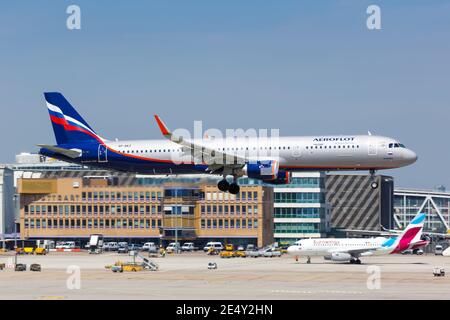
149,247
216,245
173,247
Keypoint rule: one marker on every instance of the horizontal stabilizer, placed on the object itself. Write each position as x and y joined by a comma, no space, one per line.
71,153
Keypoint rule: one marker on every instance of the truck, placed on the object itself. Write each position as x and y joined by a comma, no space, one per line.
95,243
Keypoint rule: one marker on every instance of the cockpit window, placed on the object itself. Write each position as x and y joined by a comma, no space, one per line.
396,145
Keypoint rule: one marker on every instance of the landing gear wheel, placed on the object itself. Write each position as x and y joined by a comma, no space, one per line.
357,261
352,261
374,185
234,188
223,185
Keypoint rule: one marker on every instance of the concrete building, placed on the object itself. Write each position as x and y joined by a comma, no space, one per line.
124,209
8,203
300,208
355,205
435,203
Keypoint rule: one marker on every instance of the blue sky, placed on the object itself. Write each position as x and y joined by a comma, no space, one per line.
308,68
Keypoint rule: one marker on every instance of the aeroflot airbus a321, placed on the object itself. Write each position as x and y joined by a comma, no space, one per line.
269,160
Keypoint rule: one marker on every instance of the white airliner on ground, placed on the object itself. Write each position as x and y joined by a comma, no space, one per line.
350,249
269,160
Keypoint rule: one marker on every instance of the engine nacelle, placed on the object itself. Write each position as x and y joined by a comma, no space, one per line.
339,256
266,170
284,177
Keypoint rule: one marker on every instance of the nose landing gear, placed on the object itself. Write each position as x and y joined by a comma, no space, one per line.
373,183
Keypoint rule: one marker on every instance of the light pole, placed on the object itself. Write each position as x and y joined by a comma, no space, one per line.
176,220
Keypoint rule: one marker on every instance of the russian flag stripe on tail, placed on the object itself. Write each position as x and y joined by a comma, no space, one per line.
68,125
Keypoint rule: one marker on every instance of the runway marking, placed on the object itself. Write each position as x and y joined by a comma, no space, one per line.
318,292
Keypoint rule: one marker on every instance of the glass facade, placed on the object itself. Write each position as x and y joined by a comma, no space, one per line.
436,205
296,204
299,212
299,197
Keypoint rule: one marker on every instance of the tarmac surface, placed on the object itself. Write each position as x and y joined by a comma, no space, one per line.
186,276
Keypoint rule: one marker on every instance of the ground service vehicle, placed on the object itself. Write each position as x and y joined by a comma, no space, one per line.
438,249
216,245
228,252
96,243
173,247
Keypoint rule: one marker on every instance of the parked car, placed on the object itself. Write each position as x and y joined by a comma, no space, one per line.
407,251
65,245
419,252
189,246
240,248
111,246
134,247
59,245
123,247
270,252
215,245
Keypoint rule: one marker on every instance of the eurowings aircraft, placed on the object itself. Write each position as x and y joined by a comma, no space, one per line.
350,249
269,160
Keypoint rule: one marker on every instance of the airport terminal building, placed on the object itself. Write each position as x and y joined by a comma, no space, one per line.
124,210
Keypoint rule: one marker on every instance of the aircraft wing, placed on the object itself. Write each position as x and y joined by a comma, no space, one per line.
373,232
356,252
71,153
215,159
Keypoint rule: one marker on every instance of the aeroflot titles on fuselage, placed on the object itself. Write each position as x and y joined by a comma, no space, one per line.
334,139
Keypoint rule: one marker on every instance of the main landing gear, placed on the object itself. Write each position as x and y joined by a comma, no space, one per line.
355,261
225,186
373,183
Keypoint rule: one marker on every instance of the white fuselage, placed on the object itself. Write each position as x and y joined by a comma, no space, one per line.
362,152
325,247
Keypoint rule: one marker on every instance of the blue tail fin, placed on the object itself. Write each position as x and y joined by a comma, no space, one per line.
68,125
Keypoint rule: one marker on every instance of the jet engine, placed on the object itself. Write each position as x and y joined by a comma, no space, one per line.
262,170
339,256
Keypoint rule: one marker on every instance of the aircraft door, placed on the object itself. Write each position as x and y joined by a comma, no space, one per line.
102,153
373,149
297,151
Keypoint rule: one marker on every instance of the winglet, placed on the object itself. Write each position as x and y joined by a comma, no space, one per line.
164,130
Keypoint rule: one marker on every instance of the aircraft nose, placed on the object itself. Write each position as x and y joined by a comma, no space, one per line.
292,250
410,156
